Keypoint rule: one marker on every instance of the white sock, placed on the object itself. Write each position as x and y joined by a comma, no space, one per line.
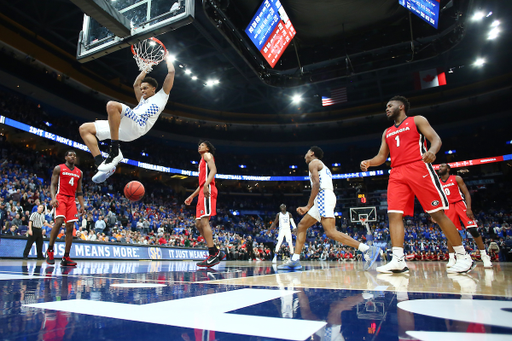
459,250
295,257
483,253
363,247
398,252
452,255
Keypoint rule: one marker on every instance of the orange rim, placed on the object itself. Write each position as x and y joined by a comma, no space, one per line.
150,61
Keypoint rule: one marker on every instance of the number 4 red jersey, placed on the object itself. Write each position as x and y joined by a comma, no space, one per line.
68,180
406,144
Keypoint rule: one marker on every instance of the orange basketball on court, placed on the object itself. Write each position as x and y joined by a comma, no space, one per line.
134,190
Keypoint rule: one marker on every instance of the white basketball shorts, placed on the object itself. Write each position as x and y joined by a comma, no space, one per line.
129,129
325,203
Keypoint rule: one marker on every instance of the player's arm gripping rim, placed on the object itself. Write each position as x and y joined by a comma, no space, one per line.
208,157
378,159
53,186
169,79
467,196
315,187
435,141
137,83
80,196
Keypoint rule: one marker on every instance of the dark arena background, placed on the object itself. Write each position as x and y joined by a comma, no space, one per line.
263,81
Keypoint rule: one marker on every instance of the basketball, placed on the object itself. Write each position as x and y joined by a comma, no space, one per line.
134,190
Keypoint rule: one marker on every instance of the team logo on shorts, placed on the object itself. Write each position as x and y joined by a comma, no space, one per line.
435,202
202,211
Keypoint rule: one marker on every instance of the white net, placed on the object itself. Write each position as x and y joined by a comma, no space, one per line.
148,53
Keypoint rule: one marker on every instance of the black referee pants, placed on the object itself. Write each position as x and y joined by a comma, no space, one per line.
37,236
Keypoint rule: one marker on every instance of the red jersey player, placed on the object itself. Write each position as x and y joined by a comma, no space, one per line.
206,202
460,209
66,184
413,175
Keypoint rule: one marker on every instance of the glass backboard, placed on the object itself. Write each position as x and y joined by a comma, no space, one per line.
148,18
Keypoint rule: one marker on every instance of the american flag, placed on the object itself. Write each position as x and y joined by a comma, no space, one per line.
337,96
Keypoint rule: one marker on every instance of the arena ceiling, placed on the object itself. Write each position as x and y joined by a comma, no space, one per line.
372,47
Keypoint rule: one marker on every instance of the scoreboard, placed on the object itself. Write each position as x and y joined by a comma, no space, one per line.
271,30
428,10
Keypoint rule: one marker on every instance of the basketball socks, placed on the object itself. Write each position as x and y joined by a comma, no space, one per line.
114,147
482,253
98,159
451,255
212,250
398,252
363,247
459,250
66,254
295,257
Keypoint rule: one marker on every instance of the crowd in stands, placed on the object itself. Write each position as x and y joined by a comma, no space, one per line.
161,218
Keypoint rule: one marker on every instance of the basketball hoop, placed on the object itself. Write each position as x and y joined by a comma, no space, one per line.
363,218
148,53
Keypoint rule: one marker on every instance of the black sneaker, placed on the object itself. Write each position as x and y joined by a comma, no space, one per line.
49,257
66,261
211,260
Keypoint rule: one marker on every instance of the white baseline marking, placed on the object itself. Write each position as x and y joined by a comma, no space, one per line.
207,312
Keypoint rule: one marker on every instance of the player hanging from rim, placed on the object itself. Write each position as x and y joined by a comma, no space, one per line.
125,124
320,208
66,184
460,209
413,175
206,202
284,219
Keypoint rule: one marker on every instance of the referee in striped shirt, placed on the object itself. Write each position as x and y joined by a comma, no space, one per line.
35,232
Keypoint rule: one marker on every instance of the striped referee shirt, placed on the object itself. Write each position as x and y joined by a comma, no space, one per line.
37,219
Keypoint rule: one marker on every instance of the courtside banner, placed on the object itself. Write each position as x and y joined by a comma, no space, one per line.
12,247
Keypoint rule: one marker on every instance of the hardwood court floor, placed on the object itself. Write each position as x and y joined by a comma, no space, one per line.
175,300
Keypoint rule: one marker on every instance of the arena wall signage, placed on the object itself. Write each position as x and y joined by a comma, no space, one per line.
47,135
12,247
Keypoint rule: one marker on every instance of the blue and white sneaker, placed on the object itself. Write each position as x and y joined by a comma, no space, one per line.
100,176
290,265
370,256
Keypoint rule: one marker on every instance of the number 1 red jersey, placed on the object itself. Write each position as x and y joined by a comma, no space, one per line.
406,144
68,180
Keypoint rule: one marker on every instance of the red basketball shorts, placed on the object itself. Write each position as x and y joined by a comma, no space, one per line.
457,212
415,179
66,209
206,207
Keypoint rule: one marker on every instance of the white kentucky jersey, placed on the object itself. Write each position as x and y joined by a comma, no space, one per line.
147,111
325,176
284,220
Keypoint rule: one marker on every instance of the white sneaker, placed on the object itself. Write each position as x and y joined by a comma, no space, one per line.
451,262
487,261
274,260
464,264
100,176
395,266
110,162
